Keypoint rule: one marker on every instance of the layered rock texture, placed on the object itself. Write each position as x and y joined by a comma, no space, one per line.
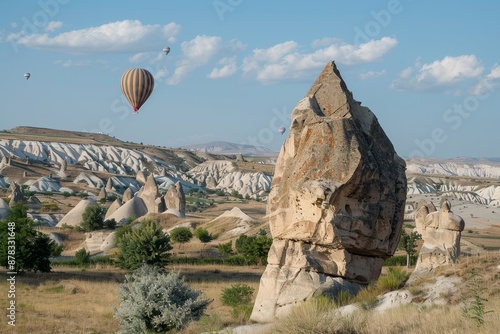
336,203
441,232
176,200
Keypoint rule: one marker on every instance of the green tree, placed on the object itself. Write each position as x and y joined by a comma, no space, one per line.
254,248
408,243
225,249
170,304
22,248
181,235
82,257
93,218
146,244
203,235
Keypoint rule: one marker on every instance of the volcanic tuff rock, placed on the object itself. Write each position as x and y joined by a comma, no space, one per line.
175,199
127,195
441,232
336,203
75,216
149,193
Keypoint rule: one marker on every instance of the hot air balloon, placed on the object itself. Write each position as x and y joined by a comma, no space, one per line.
137,85
282,130
27,75
166,50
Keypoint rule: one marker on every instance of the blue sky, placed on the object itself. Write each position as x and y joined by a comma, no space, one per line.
429,70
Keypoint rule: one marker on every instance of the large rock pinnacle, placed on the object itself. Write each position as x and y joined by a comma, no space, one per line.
336,204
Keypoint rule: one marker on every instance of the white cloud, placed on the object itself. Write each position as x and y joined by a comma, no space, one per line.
139,57
79,63
53,25
228,68
120,36
171,31
285,61
495,73
197,52
440,74
371,74
488,83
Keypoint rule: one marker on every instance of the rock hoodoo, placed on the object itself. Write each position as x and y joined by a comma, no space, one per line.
336,203
175,199
148,193
441,232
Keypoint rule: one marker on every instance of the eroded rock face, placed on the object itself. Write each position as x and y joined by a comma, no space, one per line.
149,193
175,199
127,195
441,232
336,203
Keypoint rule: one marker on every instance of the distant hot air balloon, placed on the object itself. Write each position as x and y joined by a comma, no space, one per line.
282,130
166,50
137,85
27,75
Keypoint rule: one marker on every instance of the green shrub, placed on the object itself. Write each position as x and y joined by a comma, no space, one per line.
239,297
203,235
32,250
110,224
49,206
254,248
93,218
171,304
147,244
393,280
181,235
225,249
82,258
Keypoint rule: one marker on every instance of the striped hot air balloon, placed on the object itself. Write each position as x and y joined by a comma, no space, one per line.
137,85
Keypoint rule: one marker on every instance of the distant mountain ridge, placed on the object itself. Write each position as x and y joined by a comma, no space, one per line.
223,147
471,167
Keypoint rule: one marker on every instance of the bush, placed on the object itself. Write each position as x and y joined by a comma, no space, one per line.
82,258
225,249
239,297
181,235
254,248
93,218
171,304
32,249
393,280
147,244
110,224
49,206
203,235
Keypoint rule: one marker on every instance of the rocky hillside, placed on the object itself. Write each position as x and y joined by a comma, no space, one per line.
51,160
489,168
64,161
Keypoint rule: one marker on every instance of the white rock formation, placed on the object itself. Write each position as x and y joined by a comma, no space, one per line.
43,184
222,174
459,167
441,231
90,180
112,159
134,207
336,204
75,216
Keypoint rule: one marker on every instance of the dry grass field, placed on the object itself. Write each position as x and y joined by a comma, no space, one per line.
72,301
